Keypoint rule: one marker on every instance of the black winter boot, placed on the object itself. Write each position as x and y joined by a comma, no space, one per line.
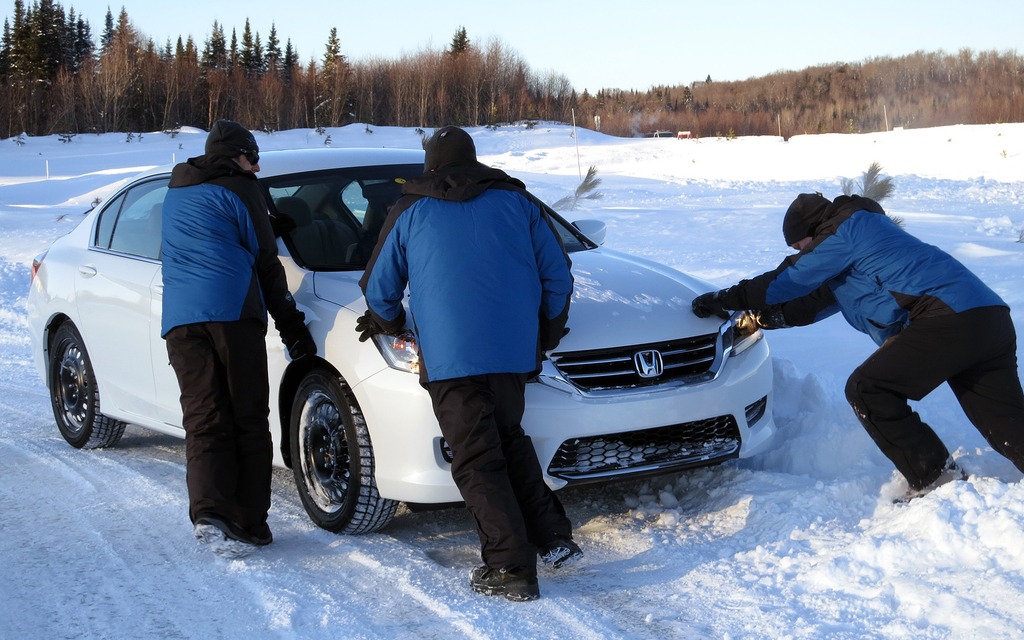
518,584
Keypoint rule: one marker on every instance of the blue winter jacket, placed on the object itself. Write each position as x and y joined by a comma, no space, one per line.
488,279
863,264
219,253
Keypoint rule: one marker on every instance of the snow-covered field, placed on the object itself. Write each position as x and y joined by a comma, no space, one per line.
802,542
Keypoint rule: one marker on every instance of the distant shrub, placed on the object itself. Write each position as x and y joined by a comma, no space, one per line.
872,184
875,186
586,191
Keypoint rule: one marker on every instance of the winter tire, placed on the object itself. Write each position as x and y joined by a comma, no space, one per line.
332,458
74,395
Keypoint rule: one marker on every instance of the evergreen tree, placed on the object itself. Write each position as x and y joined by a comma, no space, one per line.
17,52
108,31
291,61
215,53
332,54
251,59
5,51
272,58
191,51
233,55
258,55
460,42
84,47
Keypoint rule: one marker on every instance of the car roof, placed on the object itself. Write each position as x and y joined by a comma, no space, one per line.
286,161
275,163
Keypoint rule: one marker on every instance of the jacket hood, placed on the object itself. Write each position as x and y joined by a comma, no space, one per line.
849,204
807,215
204,169
458,183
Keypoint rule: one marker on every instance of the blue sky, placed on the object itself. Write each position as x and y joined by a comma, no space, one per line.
595,44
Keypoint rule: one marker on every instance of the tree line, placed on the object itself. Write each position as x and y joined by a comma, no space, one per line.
57,80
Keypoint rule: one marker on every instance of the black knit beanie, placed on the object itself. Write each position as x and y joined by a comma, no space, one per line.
228,139
803,217
448,145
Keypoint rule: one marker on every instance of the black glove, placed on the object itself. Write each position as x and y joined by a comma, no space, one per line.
367,325
282,224
297,340
770,317
707,304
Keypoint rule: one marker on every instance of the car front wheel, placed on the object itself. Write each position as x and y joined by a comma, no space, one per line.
332,458
74,395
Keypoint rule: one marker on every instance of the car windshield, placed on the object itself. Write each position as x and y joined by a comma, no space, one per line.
338,213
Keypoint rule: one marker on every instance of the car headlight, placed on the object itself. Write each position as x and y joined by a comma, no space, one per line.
399,351
741,333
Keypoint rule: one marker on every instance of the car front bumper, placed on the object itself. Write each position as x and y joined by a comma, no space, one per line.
411,464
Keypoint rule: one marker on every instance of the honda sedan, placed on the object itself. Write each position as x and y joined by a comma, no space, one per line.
639,386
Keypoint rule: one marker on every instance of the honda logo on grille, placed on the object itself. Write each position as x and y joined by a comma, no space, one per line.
648,363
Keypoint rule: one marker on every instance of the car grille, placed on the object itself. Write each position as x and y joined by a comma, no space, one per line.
656,450
615,368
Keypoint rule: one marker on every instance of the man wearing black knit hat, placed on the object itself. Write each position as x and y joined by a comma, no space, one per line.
933,319
489,289
221,274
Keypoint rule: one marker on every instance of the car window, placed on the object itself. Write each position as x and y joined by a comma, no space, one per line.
130,224
352,197
337,213
571,238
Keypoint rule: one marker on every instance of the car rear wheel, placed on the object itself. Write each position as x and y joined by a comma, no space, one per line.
74,395
333,458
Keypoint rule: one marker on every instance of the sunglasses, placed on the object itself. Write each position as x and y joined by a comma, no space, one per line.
252,156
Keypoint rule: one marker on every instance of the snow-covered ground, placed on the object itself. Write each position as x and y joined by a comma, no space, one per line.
801,542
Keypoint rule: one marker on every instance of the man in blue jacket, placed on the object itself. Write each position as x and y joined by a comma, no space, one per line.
220,274
489,289
933,319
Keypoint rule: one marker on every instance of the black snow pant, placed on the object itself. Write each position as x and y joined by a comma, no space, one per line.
975,352
222,372
495,467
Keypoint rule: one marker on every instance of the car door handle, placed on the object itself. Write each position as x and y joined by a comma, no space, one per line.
87,270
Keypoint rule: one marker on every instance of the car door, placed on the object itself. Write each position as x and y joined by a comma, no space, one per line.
114,292
167,407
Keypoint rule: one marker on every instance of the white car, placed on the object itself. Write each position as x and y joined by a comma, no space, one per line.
639,385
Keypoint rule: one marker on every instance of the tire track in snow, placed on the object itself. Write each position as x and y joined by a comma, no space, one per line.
401,578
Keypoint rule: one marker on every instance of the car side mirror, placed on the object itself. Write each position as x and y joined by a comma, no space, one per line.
593,229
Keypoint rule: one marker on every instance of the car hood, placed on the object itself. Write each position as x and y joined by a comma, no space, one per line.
617,300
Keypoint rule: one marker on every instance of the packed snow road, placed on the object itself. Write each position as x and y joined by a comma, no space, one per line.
801,542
